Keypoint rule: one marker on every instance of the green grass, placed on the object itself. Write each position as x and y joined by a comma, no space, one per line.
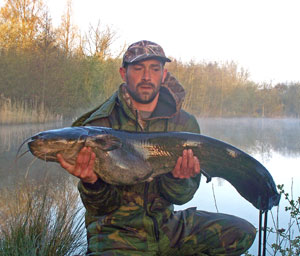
41,219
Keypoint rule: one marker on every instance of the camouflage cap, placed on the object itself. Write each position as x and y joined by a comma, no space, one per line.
143,50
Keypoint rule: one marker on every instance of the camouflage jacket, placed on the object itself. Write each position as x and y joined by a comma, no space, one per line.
156,198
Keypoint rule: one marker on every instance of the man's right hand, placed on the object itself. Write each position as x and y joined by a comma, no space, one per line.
84,166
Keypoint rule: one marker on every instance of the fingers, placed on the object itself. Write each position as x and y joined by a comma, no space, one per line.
64,164
176,171
196,166
185,159
187,166
87,173
84,166
82,161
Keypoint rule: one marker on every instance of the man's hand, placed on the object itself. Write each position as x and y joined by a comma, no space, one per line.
187,165
84,166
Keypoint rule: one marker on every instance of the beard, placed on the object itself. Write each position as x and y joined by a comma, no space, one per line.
143,97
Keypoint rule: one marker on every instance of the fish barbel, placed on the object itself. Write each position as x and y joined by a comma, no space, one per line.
126,158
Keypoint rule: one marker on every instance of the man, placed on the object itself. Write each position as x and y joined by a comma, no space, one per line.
140,219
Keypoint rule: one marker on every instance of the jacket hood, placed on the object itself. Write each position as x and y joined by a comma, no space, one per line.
175,89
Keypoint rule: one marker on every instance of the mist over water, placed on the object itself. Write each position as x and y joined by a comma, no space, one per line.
256,135
273,142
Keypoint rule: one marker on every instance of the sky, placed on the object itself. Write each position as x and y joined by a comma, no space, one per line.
261,36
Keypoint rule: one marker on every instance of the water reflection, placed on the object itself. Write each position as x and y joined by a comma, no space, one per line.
13,170
13,135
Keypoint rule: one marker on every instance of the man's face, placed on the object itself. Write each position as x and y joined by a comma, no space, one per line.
143,79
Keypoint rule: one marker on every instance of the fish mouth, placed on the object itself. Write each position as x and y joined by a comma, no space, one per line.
47,150
38,149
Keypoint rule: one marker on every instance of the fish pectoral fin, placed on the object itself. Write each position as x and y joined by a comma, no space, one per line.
109,143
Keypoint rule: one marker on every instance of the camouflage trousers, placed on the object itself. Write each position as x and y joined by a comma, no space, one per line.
187,232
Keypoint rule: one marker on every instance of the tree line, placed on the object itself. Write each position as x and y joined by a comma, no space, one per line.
225,90
67,71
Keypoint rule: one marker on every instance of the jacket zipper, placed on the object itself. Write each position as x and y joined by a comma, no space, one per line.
154,220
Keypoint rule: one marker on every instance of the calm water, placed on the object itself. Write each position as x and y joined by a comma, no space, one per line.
12,171
273,142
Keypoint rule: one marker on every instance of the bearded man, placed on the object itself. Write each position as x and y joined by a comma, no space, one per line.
140,219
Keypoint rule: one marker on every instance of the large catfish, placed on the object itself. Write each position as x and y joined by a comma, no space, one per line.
125,158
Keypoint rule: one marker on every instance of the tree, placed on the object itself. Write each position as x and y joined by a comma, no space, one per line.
269,101
98,41
20,23
67,33
290,95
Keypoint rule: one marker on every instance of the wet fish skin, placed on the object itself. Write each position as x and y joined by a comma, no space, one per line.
126,158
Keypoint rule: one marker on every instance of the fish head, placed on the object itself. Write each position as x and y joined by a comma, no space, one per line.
66,141
70,140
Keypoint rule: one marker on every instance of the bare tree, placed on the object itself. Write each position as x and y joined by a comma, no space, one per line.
98,41
68,32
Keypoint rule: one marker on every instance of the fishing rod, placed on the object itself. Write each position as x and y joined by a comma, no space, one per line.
262,233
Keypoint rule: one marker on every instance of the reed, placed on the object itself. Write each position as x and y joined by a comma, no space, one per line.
15,112
41,220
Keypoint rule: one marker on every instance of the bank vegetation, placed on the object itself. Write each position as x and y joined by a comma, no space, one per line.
41,219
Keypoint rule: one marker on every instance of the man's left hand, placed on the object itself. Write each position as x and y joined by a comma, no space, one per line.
187,165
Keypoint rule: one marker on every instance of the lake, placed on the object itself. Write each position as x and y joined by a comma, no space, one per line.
273,142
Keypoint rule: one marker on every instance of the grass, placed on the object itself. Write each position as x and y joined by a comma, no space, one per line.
41,220
12,112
